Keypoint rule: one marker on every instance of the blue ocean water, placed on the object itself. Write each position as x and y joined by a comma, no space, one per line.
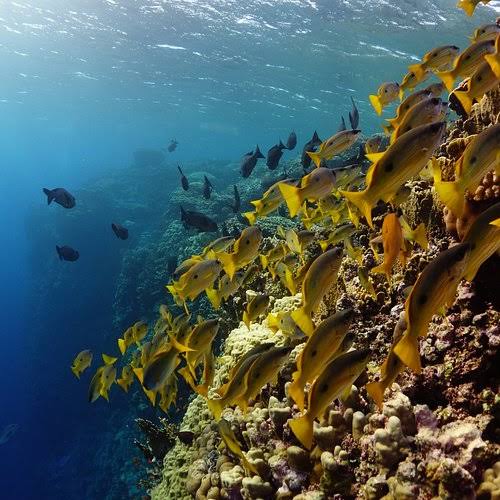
84,85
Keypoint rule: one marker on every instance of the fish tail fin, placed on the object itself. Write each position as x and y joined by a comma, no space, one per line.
376,392
467,6
178,346
375,102
251,217
108,360
448,78
50,195
227,261
302,427
465,100
246,319
296,392
123,384
122,345
151,395
315,157
75,371
388,129
216,407
407,351
105,394
494,61
290,283
420,236
139,373
451,195
380,269
303,321
213,297
417,70
292,197
359,199
264,261
273,321
323,244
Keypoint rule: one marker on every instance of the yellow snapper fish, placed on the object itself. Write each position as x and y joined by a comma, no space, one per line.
434,90
338,235
320,277
337,377
103,379
298,241
469,6
364,280
135,333
400,162
200,341
320,348
285,275
168,393
392,241
436,59
433,291
314,186
494,59
256,306
391,367
237,383
481,155
411,80
227,288
276,253
185,265
467,62
283,321
334,145
127,378
387,93
262,372
82,361
417,235
233,446
270,202
245,251
484,239
373,144
208,374
427,111
353,252
219,245
198,278
160,366
485,32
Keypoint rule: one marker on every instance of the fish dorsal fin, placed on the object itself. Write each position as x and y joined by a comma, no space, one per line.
374,157
178,346
109,360
139,373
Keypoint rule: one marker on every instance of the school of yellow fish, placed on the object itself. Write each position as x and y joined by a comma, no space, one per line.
327,366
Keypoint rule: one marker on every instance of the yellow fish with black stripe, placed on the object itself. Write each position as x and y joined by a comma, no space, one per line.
387,93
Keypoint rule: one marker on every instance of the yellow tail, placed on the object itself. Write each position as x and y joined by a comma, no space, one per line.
448,78
213,297
315,157
75,371
451,194
290,283
302,427
264,261
359,199
377,105
382,269
467,6
407,351
108,360
122,345
465,100
123,384
376,392
420,236
323,244
292,197
303,321
388,129
227,261
251,217
417,70
494,61
216,407
296,392
246,319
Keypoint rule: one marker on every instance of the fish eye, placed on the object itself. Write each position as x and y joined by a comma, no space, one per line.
314,353
195,276
479,78
389,167
422,299
473,159
467,57
247,242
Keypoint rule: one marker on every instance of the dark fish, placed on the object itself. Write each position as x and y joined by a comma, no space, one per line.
60,196
207,188
274,155
184,179
342,124
198,220
354,115
292,141
249,161
67,253
171,264
310,146
237,201
120,231
185,437
172,146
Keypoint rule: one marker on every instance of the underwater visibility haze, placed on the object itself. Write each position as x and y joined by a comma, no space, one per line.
226,272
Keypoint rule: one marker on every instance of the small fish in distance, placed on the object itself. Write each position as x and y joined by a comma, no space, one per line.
60,196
